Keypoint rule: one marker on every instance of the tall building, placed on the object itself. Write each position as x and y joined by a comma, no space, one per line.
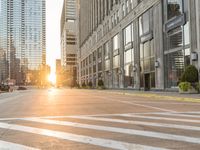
138,44
69,38
22,38
58,72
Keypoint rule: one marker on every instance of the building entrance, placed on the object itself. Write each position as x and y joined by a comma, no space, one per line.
147,81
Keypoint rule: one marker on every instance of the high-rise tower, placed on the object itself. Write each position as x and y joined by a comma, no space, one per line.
22,38
69,32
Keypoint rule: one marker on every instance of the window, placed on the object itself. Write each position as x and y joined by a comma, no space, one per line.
71,59
116,42
70,20
147,59
106,50
174,8
112,20
117,15
127,6
71,55
175,68
71,43
94,56
107,65
128,34
144,23
175,38
123,10
131,4
128,56
116,57
99,53
116,61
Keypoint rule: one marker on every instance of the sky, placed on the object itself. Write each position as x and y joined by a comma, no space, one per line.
53,14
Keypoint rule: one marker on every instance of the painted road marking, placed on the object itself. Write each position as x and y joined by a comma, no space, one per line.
122,130
96,115
159,102
79,138
9,146
141,105
178,115
163,125
160,118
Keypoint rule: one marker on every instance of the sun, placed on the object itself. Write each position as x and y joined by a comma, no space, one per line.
52,78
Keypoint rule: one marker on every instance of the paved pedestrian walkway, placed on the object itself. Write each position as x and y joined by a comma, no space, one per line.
157,95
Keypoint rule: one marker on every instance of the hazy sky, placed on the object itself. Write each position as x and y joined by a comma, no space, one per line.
53,12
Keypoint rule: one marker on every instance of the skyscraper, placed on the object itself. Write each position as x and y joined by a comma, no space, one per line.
69,37
22,38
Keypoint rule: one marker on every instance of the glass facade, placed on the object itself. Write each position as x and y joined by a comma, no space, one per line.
116,61
116,56
22,38
147,53
128,56
107,72
155,44
177,45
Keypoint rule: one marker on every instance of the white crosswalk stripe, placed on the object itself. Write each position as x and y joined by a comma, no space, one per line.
178,115
12,146
79,138
124,131
160,118
164,125
101,123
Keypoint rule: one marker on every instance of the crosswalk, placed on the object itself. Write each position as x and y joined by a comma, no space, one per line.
130,131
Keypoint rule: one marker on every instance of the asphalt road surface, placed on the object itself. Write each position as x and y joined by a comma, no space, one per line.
65,119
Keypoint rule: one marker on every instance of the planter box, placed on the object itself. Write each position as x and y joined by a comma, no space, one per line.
190,91
101,88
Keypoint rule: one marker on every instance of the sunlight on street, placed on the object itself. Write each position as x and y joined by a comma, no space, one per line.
52,78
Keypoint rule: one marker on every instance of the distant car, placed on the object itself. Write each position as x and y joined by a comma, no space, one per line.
5,88
21,88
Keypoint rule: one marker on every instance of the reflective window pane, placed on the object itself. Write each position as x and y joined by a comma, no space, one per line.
174,8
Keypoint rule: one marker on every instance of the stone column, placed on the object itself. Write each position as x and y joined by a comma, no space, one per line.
121,53
158,46
111,63
136,47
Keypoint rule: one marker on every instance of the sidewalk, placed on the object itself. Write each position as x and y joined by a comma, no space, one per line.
175,96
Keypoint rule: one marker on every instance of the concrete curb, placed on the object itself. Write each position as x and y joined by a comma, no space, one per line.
157,96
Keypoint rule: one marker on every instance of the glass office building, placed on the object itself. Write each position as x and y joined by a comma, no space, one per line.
146,44
22,38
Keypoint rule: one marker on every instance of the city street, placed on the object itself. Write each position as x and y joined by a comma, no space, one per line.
53,119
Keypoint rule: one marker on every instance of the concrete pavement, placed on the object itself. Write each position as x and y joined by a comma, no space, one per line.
97,120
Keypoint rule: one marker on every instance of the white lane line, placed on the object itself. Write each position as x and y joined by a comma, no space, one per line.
163,125
8,146
122,130
177,115
141,105
174,103
160,118
192,112
80,138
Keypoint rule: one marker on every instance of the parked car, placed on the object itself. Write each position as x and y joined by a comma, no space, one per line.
22,88
5,88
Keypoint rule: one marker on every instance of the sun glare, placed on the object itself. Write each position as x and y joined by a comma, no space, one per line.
52,78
